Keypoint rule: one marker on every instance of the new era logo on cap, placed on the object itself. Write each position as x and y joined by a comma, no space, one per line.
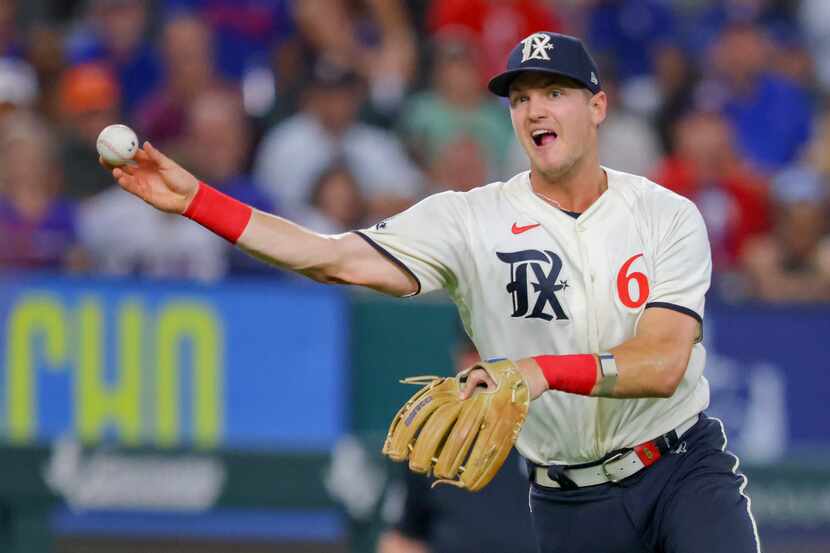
549,53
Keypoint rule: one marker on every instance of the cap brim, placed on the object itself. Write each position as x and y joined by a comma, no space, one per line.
500,84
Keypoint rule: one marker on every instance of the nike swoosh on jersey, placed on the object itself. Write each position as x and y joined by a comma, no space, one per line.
515,229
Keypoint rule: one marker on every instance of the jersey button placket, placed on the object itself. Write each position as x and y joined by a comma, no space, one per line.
592,322
588,281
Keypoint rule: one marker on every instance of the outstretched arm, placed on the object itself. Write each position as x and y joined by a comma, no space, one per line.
344,258
651,364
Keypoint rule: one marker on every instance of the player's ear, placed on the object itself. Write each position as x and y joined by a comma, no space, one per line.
598,104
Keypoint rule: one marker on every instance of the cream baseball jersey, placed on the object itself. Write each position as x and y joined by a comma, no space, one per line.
530,279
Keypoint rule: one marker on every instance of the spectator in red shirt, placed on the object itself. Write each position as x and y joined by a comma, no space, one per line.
792,263
705,169
497,24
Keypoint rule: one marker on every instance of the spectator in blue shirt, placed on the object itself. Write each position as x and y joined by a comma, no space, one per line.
627,32
245,32
37,226
114,32
705,24
770,114
10,40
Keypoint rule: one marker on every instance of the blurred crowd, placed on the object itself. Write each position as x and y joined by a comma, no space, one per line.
339,113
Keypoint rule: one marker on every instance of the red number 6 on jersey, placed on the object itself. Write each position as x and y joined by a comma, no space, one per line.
623,280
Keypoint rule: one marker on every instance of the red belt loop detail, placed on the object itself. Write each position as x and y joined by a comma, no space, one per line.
648,453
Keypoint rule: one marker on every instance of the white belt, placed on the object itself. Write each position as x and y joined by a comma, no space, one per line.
619,467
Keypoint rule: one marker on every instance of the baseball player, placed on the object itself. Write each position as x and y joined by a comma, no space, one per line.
591,280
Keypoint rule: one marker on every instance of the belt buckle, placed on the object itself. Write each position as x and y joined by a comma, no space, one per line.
611,459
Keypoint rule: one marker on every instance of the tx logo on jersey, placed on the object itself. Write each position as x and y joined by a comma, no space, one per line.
535,47
534,271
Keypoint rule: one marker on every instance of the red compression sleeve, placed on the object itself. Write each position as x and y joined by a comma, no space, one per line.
576,374
219,213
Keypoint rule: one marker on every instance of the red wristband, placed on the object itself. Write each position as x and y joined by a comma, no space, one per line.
219,213
576,374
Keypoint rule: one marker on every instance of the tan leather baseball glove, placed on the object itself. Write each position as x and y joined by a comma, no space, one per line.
463,443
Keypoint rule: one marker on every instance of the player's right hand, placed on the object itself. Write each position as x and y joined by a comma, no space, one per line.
156,179
536,382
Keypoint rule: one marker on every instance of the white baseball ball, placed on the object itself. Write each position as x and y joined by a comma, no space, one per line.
117,144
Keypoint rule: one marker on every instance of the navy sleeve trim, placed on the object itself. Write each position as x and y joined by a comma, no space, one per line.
385,253
678,308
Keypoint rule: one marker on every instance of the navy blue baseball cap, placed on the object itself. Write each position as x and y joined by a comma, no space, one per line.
548,53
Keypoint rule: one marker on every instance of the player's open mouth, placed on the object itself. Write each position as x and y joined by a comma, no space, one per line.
542,137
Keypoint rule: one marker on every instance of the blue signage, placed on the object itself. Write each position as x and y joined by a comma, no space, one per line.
769,370
173,364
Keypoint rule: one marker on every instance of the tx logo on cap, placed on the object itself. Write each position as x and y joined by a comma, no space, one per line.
535,47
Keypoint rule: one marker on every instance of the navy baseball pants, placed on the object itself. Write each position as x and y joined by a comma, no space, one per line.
689,501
